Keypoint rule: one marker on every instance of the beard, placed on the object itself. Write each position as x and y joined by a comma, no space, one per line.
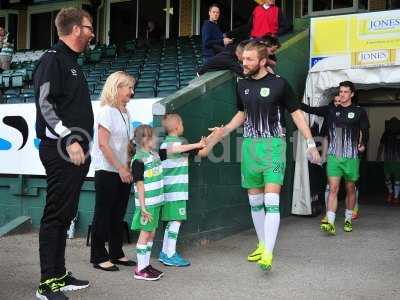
251,72
84,42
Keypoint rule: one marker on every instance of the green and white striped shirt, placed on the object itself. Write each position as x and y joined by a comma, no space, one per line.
176,172
152,178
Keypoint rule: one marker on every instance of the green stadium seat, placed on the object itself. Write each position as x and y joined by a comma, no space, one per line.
168,82
15,100
146,84
111,51
166,91
144,93
30,99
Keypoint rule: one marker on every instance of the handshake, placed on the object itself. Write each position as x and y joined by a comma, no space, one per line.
206,144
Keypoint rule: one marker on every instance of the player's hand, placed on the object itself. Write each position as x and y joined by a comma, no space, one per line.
313,155
146,215
76,154
217,132
125,175
202,143
361,148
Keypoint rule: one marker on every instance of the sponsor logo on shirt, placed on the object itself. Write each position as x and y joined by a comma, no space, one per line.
350,115
182,211
337,114
74,72
246,91
264,92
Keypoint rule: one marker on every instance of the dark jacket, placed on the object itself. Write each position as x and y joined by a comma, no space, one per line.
225,60
63,106
212,37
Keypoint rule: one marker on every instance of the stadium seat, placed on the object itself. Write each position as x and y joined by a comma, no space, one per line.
95,97
163,83
15,100
146,83
165,91
30,99
111,51
144,93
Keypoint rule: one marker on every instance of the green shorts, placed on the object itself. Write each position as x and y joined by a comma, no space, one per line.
263,162
138,223
174,211
392,168
348,168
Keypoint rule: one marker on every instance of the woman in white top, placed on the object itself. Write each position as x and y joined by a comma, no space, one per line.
113,132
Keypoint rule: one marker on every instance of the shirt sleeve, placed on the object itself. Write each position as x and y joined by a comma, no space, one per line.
239,102
104,118
288,99
162,153
321,111
137,170
48,83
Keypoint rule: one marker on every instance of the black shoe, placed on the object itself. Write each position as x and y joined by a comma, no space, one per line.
113,268
70,283
50,291
128,263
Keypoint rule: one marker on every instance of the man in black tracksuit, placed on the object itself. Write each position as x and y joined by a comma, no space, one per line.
64,123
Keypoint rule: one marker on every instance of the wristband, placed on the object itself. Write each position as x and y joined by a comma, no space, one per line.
310,143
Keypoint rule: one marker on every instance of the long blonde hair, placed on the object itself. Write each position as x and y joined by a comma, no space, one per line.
109,94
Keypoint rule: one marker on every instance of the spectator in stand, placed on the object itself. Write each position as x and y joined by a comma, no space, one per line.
152,31
229,59
273,45
6,50
268,19
213,39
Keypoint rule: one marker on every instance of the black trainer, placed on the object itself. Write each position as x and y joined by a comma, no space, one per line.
70,283
50,290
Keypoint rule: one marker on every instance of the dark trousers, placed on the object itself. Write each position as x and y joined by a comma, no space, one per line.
112,197
64,183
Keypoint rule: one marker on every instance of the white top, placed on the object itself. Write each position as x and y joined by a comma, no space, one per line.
120,127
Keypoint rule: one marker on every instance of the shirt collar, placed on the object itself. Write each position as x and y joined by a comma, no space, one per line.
64,47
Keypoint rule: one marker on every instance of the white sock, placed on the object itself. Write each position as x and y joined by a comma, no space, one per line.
173,230
326,196
258,215
141,251
165,241
396,189
348,213
148,252
331,216
272,220
389,186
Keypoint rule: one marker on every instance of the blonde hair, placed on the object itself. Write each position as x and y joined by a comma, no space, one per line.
109,94
170,121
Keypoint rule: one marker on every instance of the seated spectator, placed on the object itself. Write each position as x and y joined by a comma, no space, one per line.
152,32
229,59
212,37
6,50
273,45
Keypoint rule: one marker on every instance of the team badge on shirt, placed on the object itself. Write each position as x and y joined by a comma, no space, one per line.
143,221
350,115
246,91
264,92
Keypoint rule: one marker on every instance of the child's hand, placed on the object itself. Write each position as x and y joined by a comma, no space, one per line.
146,215
203,142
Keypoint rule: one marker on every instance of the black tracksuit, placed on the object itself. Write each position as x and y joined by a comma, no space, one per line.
225,60
64,114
